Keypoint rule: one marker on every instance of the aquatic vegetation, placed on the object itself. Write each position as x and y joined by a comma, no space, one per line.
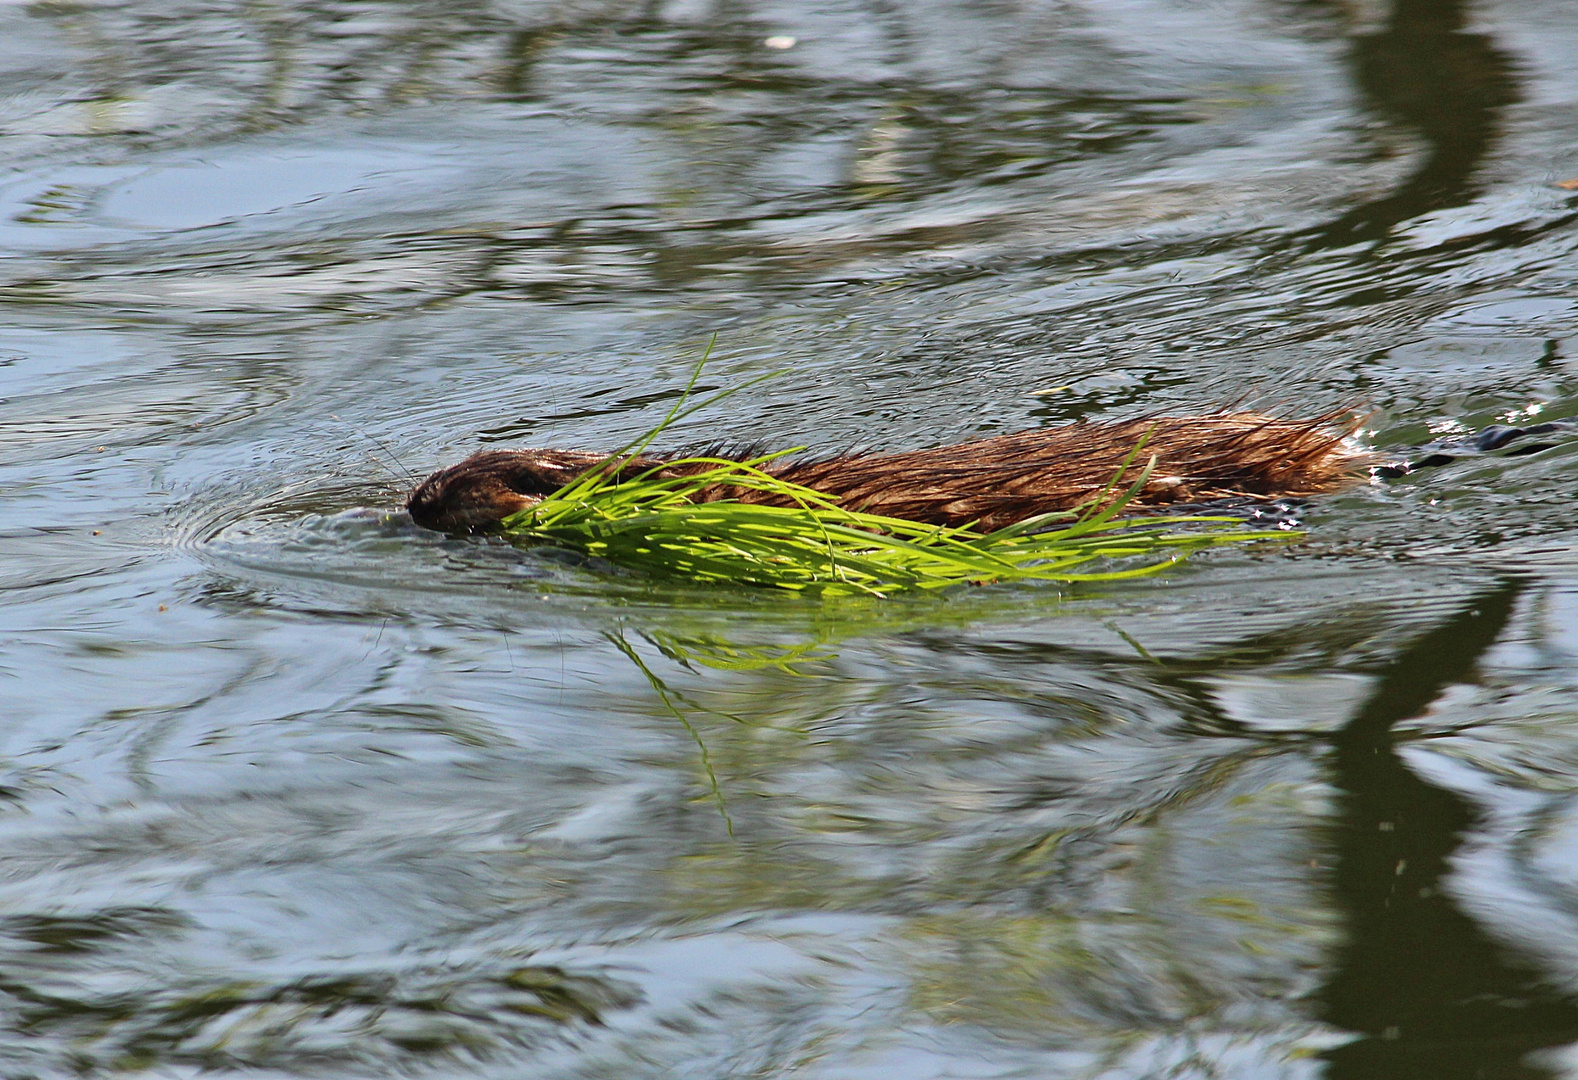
652,522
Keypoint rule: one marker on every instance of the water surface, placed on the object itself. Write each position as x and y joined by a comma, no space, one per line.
294,789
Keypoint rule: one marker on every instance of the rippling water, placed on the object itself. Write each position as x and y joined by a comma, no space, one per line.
294,789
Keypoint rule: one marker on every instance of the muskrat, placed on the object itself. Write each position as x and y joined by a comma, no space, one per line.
990,482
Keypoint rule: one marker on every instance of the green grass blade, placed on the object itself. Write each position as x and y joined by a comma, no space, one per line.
808,542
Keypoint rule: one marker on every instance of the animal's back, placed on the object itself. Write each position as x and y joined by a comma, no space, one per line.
1008,478
993,482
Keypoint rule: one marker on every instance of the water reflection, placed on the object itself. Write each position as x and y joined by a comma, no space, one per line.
1427,75
1432,993
394,1018
1427,989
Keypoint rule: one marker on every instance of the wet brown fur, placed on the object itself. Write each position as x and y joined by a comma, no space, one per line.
993,482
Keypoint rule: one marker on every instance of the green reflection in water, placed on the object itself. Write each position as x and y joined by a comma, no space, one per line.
1427,992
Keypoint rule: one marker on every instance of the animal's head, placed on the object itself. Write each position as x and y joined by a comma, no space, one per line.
480,492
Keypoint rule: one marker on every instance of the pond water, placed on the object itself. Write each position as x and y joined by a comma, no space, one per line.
293,788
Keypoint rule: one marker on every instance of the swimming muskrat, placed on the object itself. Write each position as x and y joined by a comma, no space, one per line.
993,482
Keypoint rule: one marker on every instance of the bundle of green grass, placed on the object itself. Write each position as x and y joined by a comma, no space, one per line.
651,523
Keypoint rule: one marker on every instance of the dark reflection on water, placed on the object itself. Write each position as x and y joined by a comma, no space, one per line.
290,788
1427,74
1432,993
